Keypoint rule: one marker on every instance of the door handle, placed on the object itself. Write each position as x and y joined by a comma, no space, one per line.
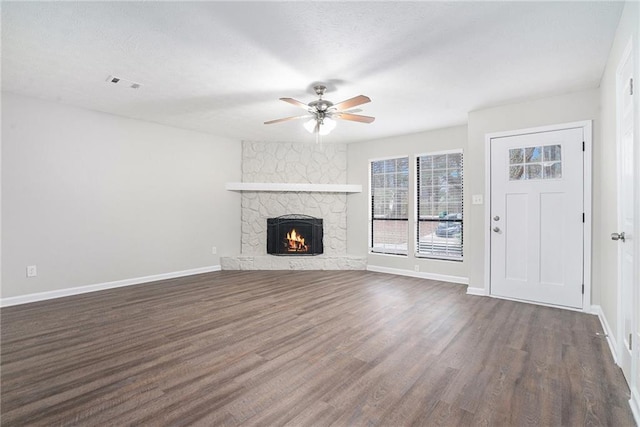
496,229
617,236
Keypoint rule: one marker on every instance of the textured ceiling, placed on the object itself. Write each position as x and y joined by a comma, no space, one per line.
220,67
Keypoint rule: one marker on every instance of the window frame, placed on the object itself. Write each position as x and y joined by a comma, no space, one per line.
370,232
416,211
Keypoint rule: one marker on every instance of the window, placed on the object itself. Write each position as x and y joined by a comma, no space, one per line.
535,163
439,205
389,188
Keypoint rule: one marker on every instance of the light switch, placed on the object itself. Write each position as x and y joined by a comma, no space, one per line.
32,271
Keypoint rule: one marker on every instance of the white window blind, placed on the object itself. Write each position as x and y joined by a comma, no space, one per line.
439,205
389,192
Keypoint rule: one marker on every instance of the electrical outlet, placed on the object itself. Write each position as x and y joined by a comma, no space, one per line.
477,199
214,250
32,271
416,267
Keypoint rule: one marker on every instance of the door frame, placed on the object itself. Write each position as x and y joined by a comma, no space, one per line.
586,126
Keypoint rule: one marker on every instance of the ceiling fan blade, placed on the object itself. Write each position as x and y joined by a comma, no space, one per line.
354,117
352,102
295,102
333,112
270,122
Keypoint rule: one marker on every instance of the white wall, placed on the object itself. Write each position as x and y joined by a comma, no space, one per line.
358,206
92,198
540,112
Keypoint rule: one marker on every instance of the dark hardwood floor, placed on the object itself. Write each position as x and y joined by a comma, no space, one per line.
304,348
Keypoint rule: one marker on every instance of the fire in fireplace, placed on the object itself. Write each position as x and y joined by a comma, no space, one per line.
294,235
295,242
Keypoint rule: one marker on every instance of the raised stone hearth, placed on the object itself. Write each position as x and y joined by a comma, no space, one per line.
293,163
270,262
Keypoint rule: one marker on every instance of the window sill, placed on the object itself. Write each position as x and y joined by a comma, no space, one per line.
437,258
387,254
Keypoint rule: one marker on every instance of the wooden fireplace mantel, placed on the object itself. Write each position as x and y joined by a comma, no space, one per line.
303,187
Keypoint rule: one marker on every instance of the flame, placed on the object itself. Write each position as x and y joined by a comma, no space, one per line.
296,242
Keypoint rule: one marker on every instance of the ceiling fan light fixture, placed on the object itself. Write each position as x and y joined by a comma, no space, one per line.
323,126
326,126
310,125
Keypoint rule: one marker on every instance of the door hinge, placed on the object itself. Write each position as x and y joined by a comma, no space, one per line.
631,86
582,216
630,341
583,289
582,145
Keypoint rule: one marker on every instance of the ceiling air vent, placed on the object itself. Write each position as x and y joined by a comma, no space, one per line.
123,82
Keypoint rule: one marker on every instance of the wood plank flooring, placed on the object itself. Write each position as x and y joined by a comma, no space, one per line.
304,348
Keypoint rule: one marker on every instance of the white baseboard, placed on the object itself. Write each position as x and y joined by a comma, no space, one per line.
611,339
476,291
41,296
634,402
419,274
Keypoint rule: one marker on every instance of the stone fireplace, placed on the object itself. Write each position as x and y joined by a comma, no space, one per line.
287,166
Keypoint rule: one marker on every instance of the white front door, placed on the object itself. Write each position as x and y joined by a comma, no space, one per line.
626,200
537,214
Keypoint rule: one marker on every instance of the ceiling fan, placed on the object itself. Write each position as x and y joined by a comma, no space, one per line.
322,112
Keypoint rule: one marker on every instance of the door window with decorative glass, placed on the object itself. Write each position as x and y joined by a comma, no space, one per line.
527,163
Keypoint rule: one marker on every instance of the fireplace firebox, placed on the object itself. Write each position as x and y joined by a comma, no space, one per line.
294,235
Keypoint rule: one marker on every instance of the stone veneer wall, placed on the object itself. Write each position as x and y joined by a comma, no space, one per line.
293,163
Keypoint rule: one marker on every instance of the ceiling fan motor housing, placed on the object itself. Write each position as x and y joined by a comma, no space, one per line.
320,105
